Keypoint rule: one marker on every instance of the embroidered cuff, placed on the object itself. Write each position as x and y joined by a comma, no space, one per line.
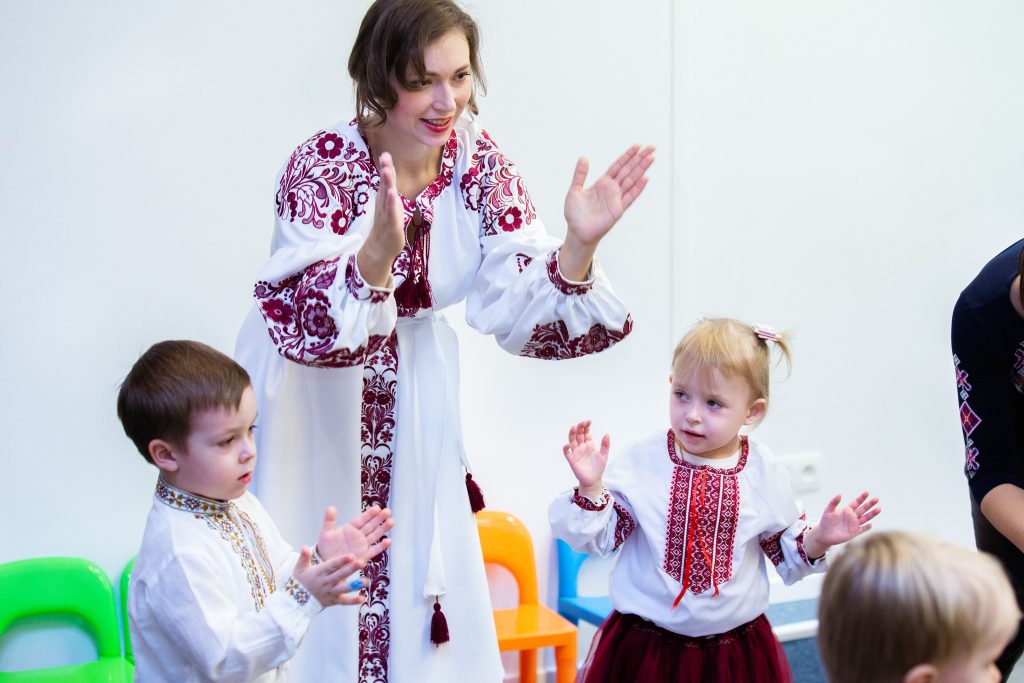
588,504
563,284
295,589
357,285
816,562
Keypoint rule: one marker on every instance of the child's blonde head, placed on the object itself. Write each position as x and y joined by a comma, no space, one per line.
732,347
895,600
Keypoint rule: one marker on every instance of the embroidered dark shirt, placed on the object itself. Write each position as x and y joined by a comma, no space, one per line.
988,355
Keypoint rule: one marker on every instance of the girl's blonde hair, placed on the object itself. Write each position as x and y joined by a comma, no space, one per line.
893,600
732,347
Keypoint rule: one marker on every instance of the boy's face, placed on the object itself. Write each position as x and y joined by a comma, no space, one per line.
219,454
707,412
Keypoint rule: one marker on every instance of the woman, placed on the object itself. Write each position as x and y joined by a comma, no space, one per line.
382,222
988,355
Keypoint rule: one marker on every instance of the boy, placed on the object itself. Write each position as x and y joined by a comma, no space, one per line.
907,608
216,594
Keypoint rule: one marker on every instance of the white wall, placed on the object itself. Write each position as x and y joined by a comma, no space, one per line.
838,169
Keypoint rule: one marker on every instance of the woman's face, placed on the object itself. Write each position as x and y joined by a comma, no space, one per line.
425,113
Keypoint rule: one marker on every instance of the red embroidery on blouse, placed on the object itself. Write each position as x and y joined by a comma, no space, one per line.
380,393
703,515
560,283
772,548
624,525
493,187
589,505
355,283
522,261
298,316
551,341
410,268
326,178
800,541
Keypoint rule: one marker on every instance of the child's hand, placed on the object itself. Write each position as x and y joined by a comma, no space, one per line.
361,537
328,581
586,461
841,524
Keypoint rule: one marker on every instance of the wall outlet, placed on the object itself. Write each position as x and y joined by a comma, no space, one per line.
804,470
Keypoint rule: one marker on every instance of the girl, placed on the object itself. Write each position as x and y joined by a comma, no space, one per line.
696,512
383,221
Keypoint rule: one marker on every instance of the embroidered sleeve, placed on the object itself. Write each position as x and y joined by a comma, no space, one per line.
593,527
298,592
785,549
318,309
520,294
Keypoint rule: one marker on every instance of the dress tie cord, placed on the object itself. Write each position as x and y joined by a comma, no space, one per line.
695,538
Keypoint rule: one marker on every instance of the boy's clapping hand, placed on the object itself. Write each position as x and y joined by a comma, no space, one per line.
361,537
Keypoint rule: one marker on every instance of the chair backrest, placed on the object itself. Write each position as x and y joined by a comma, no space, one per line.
61,586
569,563
125,579
505,541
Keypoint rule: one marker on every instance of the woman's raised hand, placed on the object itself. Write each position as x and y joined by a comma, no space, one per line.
387,236
585,460
590,212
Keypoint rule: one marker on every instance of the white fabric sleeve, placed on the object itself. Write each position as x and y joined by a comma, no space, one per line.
224,644
519,294
592,527
783,541
318,309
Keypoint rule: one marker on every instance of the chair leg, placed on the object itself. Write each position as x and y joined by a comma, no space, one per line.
527,666
565,663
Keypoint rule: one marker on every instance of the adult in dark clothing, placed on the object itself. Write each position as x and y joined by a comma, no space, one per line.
988,354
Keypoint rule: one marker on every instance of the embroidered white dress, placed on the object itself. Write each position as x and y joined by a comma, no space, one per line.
358,386
690,523
211,596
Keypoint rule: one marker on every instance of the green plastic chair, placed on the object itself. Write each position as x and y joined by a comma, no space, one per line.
125,578
65,587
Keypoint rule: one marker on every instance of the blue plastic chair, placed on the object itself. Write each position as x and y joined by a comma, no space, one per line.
67,588
590,608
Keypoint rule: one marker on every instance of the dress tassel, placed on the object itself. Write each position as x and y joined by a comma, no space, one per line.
438,625
476,496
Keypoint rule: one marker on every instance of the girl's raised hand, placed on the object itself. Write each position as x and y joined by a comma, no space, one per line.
387,236
585,459
841,524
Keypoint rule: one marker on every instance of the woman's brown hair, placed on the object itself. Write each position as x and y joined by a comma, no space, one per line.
391,42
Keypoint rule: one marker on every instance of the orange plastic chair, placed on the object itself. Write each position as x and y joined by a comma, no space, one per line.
531,625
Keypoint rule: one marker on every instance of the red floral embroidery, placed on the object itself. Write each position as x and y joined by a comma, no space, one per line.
326,172
703,515
560,283
522,261
298,315
380,393
356,284
552,342
493,187
624,524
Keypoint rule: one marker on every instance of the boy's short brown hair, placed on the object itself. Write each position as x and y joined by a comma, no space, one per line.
391,41
894,600
169,384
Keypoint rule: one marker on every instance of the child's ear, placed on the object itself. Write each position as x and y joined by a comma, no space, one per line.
922,673
163,455
756,411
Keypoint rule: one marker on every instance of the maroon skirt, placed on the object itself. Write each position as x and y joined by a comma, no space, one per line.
628,648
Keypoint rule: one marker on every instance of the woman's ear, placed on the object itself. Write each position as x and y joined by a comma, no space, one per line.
921,673
756,411
163,455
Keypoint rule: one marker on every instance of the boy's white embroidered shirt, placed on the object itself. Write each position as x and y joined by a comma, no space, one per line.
711,527
211,595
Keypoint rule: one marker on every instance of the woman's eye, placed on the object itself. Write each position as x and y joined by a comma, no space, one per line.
463,76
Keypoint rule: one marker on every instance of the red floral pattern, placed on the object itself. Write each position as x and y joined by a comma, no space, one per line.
298,316
551,341
380,394
703,515
560,283
493,187
522,261
326,178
